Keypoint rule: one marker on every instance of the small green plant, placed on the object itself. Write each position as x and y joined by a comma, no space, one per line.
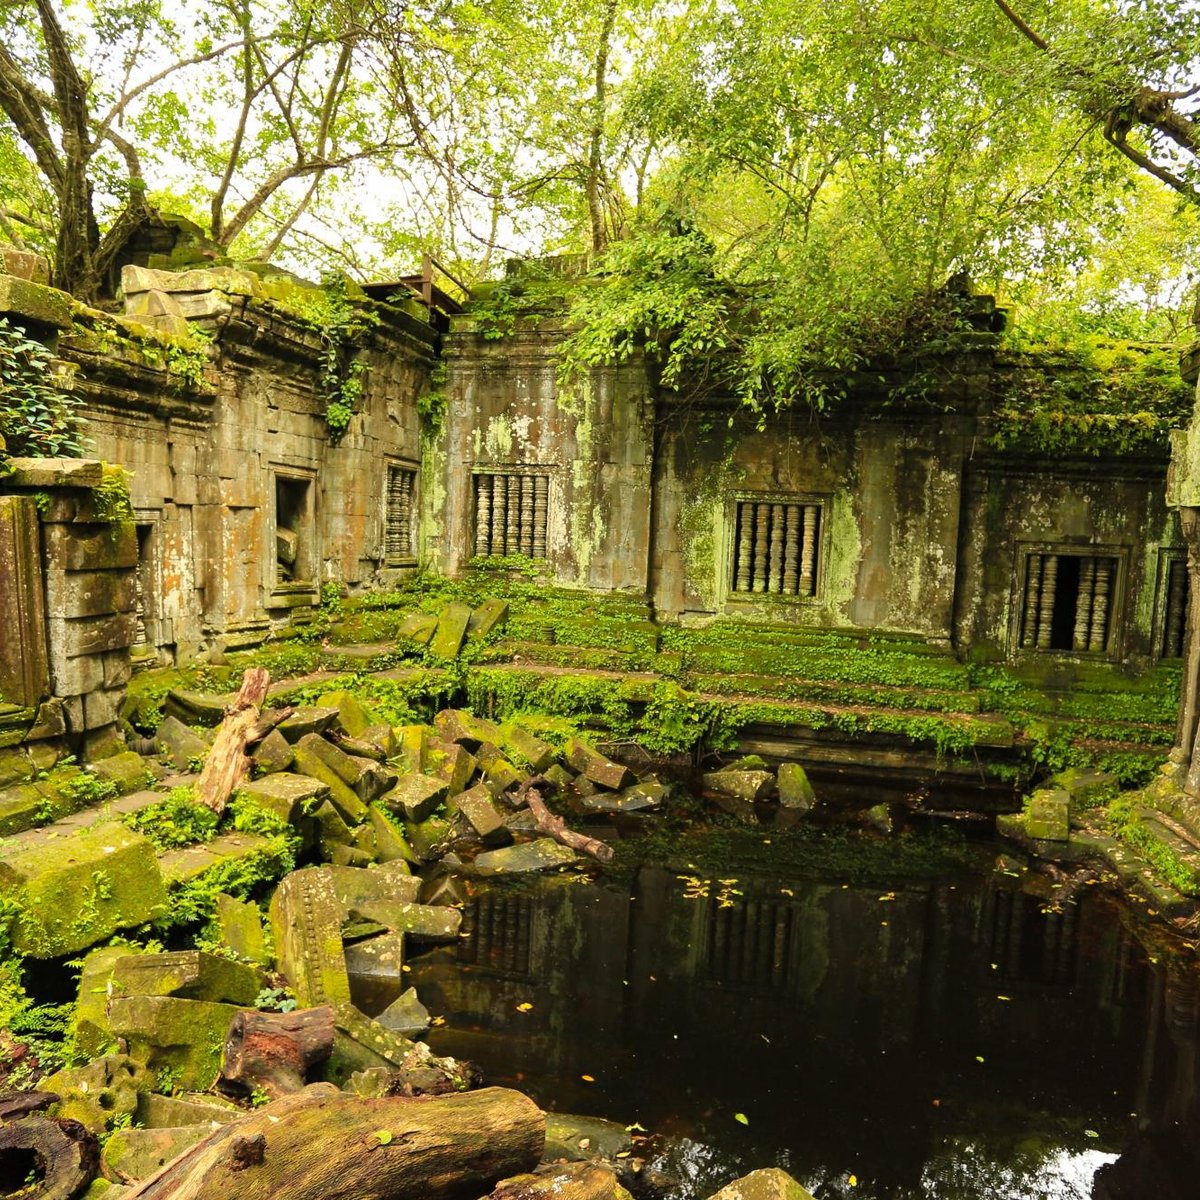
178,820
275,999
86,788
36,417
258,1097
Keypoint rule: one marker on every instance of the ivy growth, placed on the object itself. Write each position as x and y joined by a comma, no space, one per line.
36,417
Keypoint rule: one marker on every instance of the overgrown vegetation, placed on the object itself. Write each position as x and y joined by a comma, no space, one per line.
37,418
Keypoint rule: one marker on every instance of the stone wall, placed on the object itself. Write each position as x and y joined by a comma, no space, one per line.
68,581
233,469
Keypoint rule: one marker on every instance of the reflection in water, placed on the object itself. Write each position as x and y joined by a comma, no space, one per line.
942,1039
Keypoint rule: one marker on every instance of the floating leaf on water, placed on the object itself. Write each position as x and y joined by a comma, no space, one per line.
382,1136
852,1180
588,1078
525,1006
624,1153
636,1127
584,1143
1090,1133
979,1058
741,1118
1003,997
437,1021
786,892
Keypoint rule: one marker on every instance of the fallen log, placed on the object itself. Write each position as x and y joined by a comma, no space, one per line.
275,1051
555,827
63,1156
322,1144
268,721
227,764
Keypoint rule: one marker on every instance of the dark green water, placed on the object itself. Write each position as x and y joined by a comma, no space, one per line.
904,1035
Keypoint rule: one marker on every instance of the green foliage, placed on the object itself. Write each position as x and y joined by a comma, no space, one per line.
342,325
431,404
275,999
111,496
177,820
85,788
44,1028
36,417
1126,824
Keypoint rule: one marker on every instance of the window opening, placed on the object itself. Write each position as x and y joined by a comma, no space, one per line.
778,547
510,513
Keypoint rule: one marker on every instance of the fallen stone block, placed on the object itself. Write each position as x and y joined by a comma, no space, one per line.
770,1183
529,751
28,805
457,725
367,778
72,892
390,843
578,1139
406,1015
191,974
307,720
183,866
196,708
594,766
416,796
180,744
353,885
240,926
131,1155
488,616
480,812
313,758
177,1039
104,1091
1087,788
353,716
375,967
332,831
306,921
127,772
631,800
90,1021
1049,815
795,791
562,1181
286,794
500,774
273,753
383,738
349,856
452,762
451,630
418,627
544,854
412,746
429,839
423,922
742,785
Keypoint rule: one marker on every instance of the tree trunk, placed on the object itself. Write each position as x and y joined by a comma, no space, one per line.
227,764
321,1145
275,1051
63,1155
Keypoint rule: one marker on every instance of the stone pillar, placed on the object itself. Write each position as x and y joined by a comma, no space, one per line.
24,662
88,569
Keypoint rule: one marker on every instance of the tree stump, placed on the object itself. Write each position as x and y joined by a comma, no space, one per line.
275,1051
323,1145
59,1157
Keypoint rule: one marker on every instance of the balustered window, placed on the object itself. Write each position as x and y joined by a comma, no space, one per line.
1069,602
399,525
1174,603
749,944
510,513
777,547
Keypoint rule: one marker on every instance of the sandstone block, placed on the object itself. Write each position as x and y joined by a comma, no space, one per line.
182,1037
306,922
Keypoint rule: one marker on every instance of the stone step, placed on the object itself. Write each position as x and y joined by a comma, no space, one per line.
110,810
1184,851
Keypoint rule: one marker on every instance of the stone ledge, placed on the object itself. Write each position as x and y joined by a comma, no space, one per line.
54,472
35,301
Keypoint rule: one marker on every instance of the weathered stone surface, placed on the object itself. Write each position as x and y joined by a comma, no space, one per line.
580,1138
179,743
1087,788
127,772
631,800
135,280
307,720
272,754
168,1112
562,1181
353,716
480,812
191,974
744,785
390,843
332,831
241,929
406,1015
412,746
500,774
319,759
353,885
423,922
131,1155
558,775
544,854
526,749
31,804
306,922
360,1044
457,725
381,956
795,791
770,1183
182,866
92,1034
285,793
100,547
430,838
451,630
195,708
73,892
1049,815
343,855
383,738
418,627
416,796
104,1090
35,301
485,618
452,762
181,1037
594,766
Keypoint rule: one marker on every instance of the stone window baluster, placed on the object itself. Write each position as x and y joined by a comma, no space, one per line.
762,524
526,515
1083,604
808,551
791,550
1045,626
1098,638
1033,595
541,487
775,575
483,515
